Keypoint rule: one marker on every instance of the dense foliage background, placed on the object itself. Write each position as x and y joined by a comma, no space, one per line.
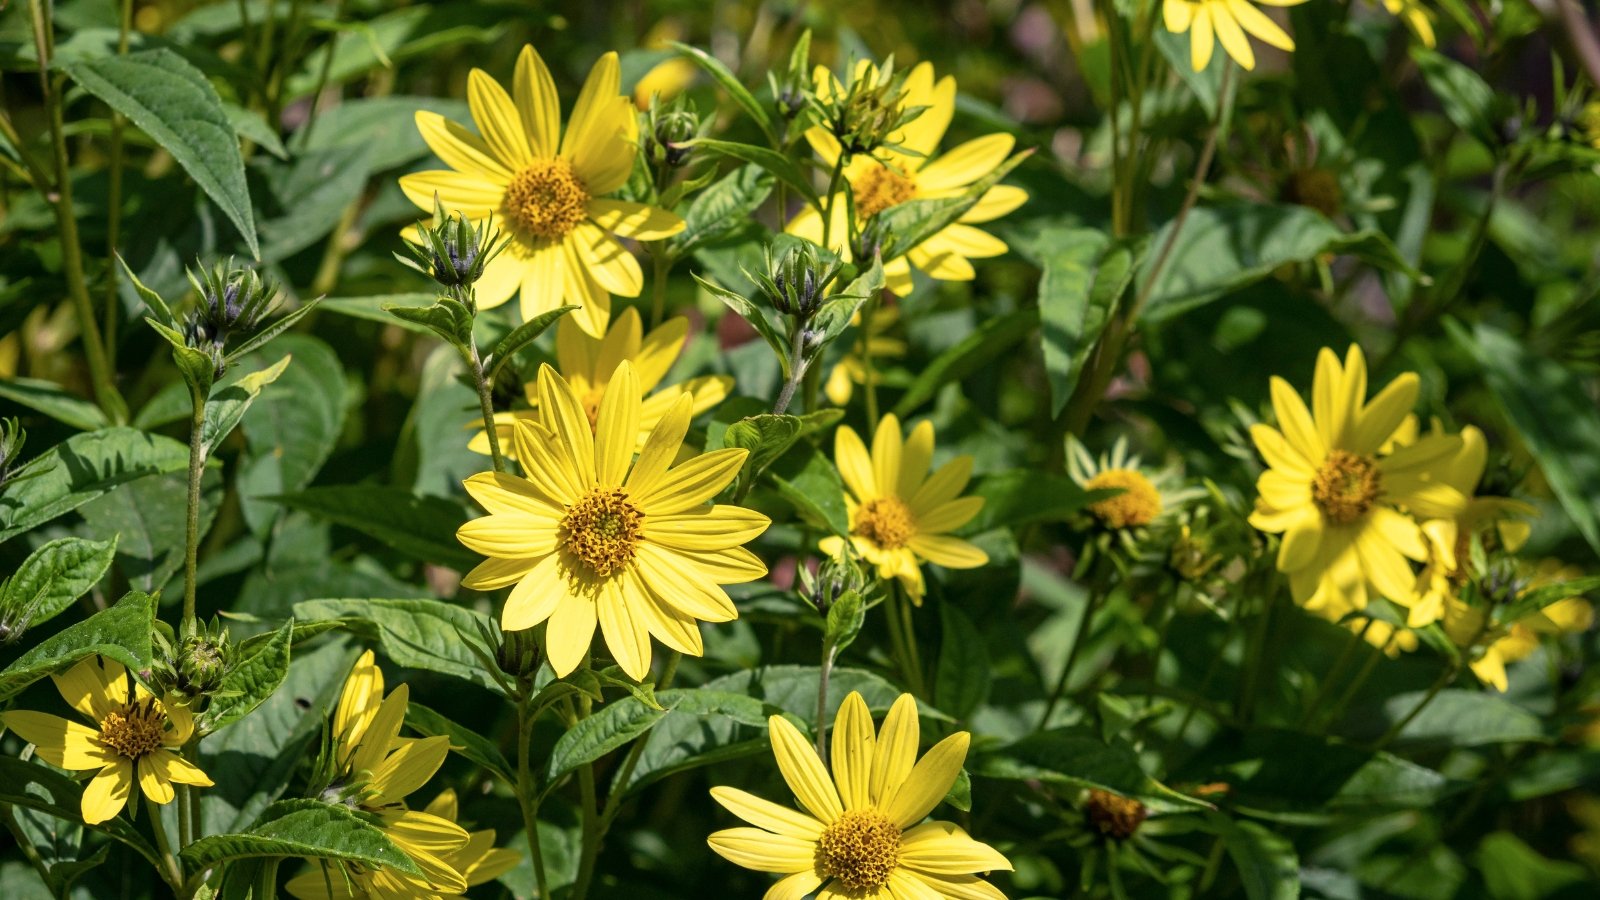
1434,205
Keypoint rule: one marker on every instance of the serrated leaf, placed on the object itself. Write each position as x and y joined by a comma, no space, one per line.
55,575
250,682
612,726
80,469
721,208
170,100
308,829
418,526
421,634
121,632
767,437
33,786
757,319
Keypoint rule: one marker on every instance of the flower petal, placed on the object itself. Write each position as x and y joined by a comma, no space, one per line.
538,107
966,163
717,528
623,629
153,781
660,448
459,148
886,447
606,260
536,595
497,120
854,746
510,535
85,686
498,492
950,552
474,196
948,516
107,793
943,848
855,465
570,632
60,742
763,851
767,815
928,781
617,427
692,483
803,771
639,221
896,750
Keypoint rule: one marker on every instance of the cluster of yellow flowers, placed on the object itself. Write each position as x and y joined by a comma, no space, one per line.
1226,22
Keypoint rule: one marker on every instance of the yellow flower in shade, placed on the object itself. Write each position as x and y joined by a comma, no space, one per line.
1491,646
1210,22
1386,636
132,736
1146,496
1337,500
898,175
851,369
546,189
376,770
900,515
861,834
1416,16
593,536
587,364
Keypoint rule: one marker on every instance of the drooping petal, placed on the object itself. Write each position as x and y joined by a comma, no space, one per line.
1256,22
107,793
623,628
536,595
570,632
803,771
1231,36
1201,39
59,742
178,769
153,781
541,278
579,288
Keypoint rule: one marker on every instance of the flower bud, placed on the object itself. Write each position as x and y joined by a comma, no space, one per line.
518,654
14,622
795,281
233,301
869,111
835,577
672,126
453,250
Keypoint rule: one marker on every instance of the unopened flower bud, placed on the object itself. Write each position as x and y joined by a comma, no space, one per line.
518,654
453,250
233,301
794,282
14,622
672,127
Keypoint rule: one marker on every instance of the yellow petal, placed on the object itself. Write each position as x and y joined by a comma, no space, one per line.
504,275
855,465
59,742
84,686
536,595
639,221
380,734
658,351
966,163
961,887
623,629
426,831
538,107
549,465
924,133
674,578
601,130
1379,420
606,260
460,149
964,241
660,448
798,886
948,516
564,416
1256,22
768,815
678,630
497,120
1231,36
107,793
896,749
617,427
946,483
692,483
580,288
905,884
717,528
914,459
510,535
498,492
763,851
1200,39
995,202
886,445
541,282
407,768
358,703
928,782
153,781
803,771
473,196
950,552
569,633
943,848
494,574
175,768
1277,452
1296,423
1177,15
854,746
735,565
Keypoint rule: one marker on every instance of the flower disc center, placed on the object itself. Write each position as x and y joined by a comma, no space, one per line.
1346,486
886,522
602,530
134,730
1137,505
879,188
546,199
859,850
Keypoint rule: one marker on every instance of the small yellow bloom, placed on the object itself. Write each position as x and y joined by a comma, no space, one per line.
896,176
1225,21
1147,496
1417,17
861,831
591,536
900,515
129,738
546,189
587,364
1336,499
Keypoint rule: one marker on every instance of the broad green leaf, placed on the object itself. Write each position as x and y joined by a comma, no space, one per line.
308,829
170,100
55,575
961,676
250,682
845,618
293,427
1077,757
612,726
757,318
54,401
976,350
421,527
522,336
307,196
1552,412
960,793
80,469
376,308
1021,496
229,402
1455,717
421,634
1085,275
386,125
1467,99
1512,870
729,82
772,161
766,436
463,740
32,785
726,204
121,632
252,126
812,486
1266,860
147,518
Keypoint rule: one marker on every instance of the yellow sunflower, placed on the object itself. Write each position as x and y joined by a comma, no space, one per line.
131,737
376,770
897,175
861,836
1345,509
546,189
900,515
593,536
1225,21
587,363
1147,495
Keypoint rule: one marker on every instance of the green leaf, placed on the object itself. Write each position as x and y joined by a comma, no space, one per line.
279,326
774,162
722,208
170,100
54,401
376,308
420,527
121,633
55,575
735,88
463,740
253,127
961,677
1021,496
80,469
33,786
522,336
250,682
293,426
615,725
230,401
421,634
1077,757
307,196
1267,863
1554,414
756,317
1467,99
1455,717
843,625
972,354
147,518
960,793
767,436
448,319
812,486
1085,276
1512,870
309,829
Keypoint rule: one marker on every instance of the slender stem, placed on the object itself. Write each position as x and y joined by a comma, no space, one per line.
828,654
660,266
591,833
180,793
527,794
66,222
631,761
1355,688
1334,671
114,201
322,79
485,402
833,193
28,850
1084,623
1583,40
1257,662
1445,677
173,875
197,467
797,368
903,639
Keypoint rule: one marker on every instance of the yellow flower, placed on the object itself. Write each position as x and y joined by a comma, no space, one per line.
587,364
593,536
1146,496
851,369
376,770
899,514
1336,499
1225,21
896,176
1416,16
546,189
1491,647
129,737
860,832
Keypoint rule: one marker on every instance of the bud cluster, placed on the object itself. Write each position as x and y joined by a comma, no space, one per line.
796,280
869,111
233,301
453,250
671,127
194,665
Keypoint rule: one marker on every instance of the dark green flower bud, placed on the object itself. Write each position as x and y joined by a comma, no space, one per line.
795,281
453,250
233,302
869,111
671,127
791,91
199,662
518,654
835,577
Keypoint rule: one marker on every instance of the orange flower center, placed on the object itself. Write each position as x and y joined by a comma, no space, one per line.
1116,816
1346,486
545,200
1137,505
859,850
135,729
879,188
602,530
886,522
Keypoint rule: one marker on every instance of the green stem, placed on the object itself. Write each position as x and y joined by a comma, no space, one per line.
591,833
114,201
527,794
1445,677
67,223
1257,662
197,467
1337,669
903,639
833,193
322,80
797,368
1084,623
869,379
485,402
1350,692
631,762
173,875
828,654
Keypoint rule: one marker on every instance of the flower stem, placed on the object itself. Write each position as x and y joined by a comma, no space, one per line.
1084,623
592,833
797,369
1334,671
527,795
197,467
26,846
660,266
1445,677
114,199
903,639
1351,691
826,670
485,402
869,375
173,875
